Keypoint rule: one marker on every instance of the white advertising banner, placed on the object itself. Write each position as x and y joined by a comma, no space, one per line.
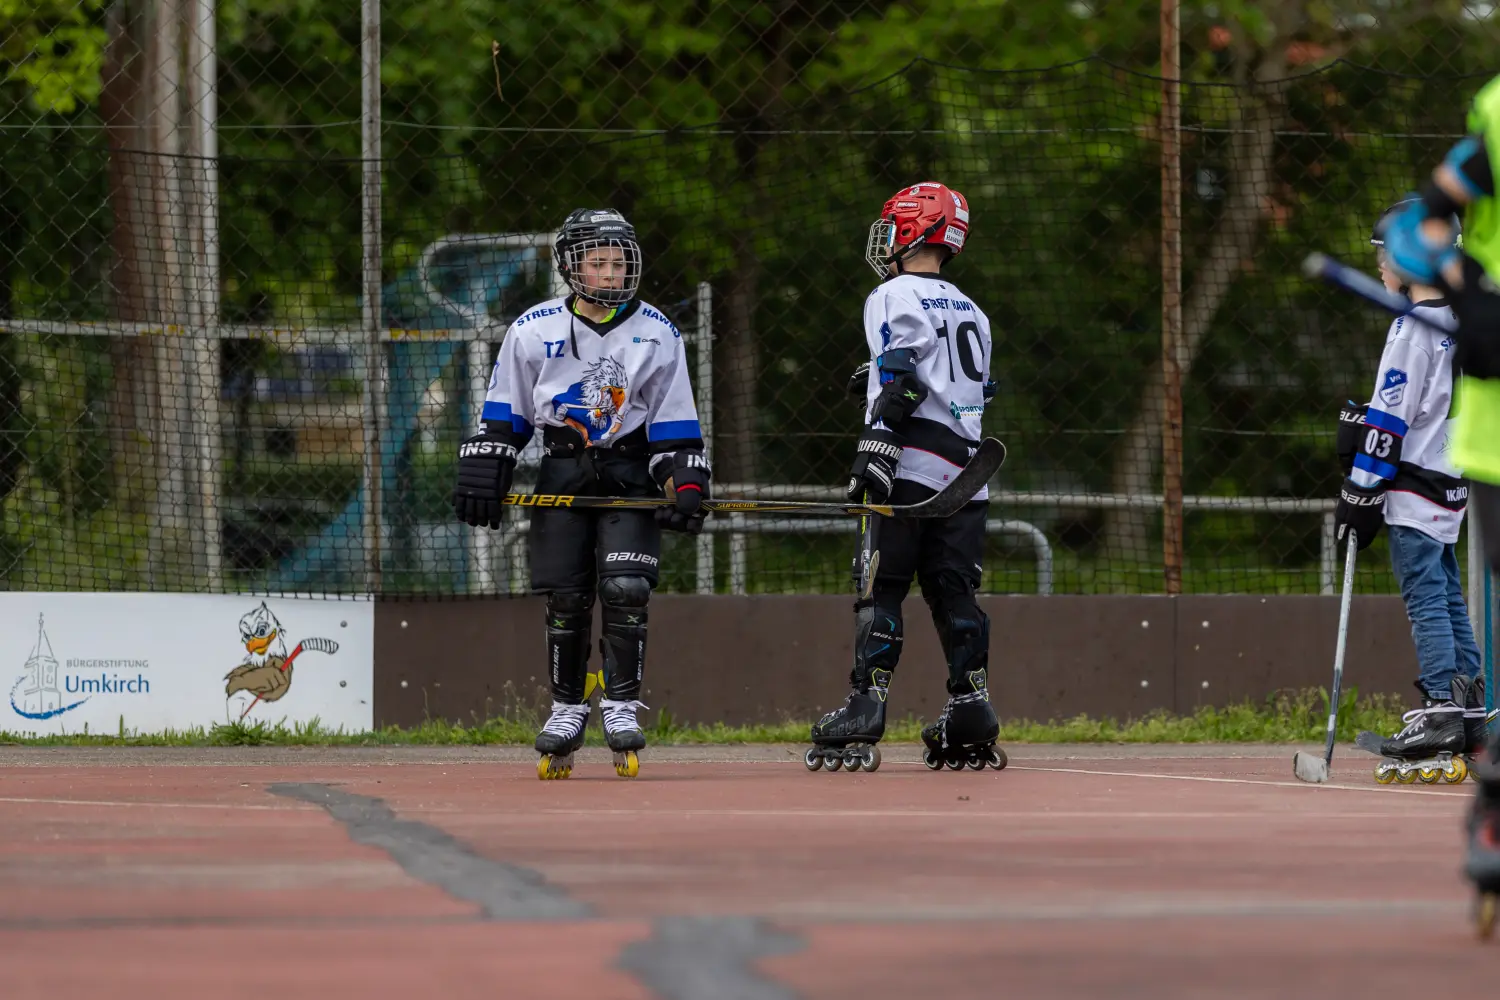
176,661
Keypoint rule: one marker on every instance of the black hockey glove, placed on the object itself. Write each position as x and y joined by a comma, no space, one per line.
874,472
901,392
1477,307
1360,509
486,463
859,384
683,475
1351,433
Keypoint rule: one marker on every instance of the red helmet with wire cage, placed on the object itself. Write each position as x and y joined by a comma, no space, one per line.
925,214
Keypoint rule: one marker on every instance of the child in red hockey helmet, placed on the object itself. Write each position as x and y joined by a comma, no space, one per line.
925,392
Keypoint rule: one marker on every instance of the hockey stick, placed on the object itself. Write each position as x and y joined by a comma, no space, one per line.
988,458
315,644
1304,765
1325,268
869,555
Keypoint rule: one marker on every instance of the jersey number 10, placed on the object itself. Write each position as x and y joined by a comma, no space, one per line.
966,359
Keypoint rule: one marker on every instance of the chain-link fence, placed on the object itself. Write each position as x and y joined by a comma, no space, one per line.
201,205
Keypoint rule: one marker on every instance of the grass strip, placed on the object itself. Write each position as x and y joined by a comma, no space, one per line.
1285,717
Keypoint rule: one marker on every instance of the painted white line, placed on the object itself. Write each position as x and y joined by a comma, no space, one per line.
161,805
488,815
1382,790
887,911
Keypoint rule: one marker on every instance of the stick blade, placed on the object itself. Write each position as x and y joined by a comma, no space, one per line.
987,460
1310,767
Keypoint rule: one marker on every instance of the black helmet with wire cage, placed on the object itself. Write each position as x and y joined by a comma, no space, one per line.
597,253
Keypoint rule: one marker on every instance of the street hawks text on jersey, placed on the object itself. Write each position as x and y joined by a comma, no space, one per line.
556,371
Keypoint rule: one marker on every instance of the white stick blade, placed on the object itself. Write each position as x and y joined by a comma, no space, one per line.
1310,767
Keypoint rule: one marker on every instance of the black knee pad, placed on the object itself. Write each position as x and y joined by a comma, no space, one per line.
625,591
623,644
963,629
570,619
569,603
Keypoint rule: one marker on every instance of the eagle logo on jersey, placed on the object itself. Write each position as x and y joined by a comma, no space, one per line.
595,406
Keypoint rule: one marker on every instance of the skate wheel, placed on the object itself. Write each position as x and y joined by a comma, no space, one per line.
872,758
931,760
998,760
1484,915
550,768
1385,774
977,763
1406,775
627,764
1456,771
1428,775
834,763
854,759
813,759
955,764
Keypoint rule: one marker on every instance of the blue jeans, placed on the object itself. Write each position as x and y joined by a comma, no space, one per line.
1428,573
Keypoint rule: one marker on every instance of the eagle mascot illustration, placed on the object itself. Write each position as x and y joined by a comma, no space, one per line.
266,673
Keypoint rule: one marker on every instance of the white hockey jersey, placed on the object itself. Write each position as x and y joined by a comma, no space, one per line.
1413,402
555,370
951,336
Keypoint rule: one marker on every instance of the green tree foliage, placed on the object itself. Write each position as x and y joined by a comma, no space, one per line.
753,142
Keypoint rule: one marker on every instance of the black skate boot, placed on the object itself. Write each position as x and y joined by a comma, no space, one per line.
1429,747
846,737
1477,721
966,731
560,737
1482,859
623,734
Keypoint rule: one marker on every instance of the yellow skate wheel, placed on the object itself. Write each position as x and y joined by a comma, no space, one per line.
1385,774
1484,915
550,768
1456,771
1429,775
1406,775
627,764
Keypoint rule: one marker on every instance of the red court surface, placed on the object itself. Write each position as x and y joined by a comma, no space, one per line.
725,873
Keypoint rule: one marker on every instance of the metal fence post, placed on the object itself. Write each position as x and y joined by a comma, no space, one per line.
372,314
703,337
1171,299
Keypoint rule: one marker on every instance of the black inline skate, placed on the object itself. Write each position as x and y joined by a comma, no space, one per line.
1477,722
846,737
1430,746
623,734
561,736
966,731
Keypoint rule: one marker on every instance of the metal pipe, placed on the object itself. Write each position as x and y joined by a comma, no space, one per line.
739,527
1091,501
703,390
371,313
203,368
1171,299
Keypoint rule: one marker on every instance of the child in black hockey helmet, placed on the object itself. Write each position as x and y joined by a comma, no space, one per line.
925,393
1397,458
605,378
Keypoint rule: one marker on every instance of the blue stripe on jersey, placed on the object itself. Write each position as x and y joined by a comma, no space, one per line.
674,430
501,413
1381,420
1385,470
